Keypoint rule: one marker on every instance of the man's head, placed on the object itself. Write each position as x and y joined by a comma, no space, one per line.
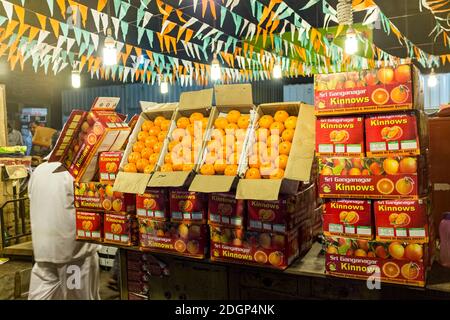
10,127
32,126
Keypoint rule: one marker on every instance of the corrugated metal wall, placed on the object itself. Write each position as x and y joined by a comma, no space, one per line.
299,92
131,94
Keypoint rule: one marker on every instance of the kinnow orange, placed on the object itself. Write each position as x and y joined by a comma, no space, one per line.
120,229
351,218
225,210
89,225
154,203
251,247
185,239
188,206
108,164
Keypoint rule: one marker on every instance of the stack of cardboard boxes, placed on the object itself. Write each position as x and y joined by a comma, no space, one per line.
373,174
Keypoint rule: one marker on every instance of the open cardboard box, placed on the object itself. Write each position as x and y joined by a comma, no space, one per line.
300,158
137,182
228,97
190,102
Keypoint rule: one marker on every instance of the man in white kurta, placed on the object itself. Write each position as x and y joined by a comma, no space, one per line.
64,268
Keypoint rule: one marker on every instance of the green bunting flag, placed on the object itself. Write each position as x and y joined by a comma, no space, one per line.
124,26
150,37
50,6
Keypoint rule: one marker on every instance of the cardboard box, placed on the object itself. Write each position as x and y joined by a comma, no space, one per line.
395,134
372,178
405,220
348,218
89,225
86,134
120,229
132,124
225,210
300,160
154,204
43,136
368,91
188,206
108,163
250,247
340,136
190,240
190,102
137,182
392,262
282,215
228,97
100,196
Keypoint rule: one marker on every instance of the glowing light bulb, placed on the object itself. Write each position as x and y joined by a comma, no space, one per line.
351,43
76,79
216,73
277,72
164,87
109,51
432,79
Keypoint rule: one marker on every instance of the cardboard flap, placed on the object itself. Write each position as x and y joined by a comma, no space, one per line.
43,136
105,103
14,172
131,182
169,179
196,99
302,154
212,183
258,189
147,106
234,95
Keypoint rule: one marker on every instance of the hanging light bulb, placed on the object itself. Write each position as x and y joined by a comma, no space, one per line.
216,73
277,72
351,43
164,86
432,79
109,50
76,79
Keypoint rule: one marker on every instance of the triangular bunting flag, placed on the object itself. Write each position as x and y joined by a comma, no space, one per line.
86,36
96,16
140,16
116,24
33,33
42,20
55,26
61,40
95,40
50,6
62,7
20,11
141,32
64,28
42,36
90,50
77,32
124,26
117,4
101,4
150,37
70,43
8,6
9,29
105,22
123,10
147,17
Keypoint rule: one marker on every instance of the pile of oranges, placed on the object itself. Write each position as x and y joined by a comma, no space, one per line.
226,144
147,148
269,154
185,143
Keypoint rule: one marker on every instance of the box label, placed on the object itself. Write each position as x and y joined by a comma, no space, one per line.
153,204
108,164
120,229
188,206
89,225
224,209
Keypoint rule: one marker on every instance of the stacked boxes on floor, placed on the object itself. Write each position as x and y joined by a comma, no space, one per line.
373,176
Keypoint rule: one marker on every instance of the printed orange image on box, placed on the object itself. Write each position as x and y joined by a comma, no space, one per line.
188,206
120,229
250,247
108,164
225,210
89,225
378,90
341,136
154,203
395,262
388,178
184,239
392,134
100,196
351,218
405,220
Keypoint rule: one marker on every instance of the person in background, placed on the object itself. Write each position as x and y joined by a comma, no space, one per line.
29,137
64,268
14,136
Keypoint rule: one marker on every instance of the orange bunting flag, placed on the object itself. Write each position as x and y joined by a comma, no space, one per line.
20,11
127,53
9,29
167,42
180,33
42,20
174,44
55,26
212,7
189,34
150,55
138,51
22,29
3,48
161,43
33,33
180,15
62,7
101,4
82,62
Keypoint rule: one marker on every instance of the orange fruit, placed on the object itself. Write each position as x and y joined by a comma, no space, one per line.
408,165
281,161
149,169
178,134
399,94
221,123
205,123
167,167
150,141
231,170
262,134
157,147
252,173
244,121
391,269
196,116
231,128
168,158
217,134
266,168
284,147
165,125
414,252
213,145
380,96
153,158
220,166
253,161
277,174
138,146
190,130
410,270
173,144
265,121
162,135
154,131
385,75
183,122
402,73
146,153
142,136
291,122
146,125
288,135
281,116
233,116
276,128
141,164
390,166
385,186
177,166
158,120
207,170
188,167
404,185
130,167
134,157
